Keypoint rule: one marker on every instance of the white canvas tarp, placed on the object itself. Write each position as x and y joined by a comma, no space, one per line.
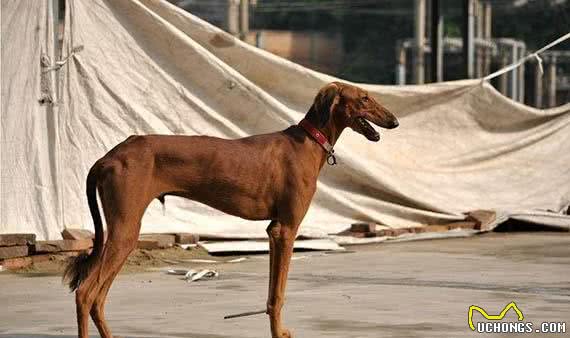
149,67
29,198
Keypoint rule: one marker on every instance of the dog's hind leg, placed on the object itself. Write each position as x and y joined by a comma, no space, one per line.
116,253
125,195
84,297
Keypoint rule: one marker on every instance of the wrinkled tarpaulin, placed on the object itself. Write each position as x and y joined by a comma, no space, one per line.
149,67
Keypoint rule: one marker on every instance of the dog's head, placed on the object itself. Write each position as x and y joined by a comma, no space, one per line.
351,106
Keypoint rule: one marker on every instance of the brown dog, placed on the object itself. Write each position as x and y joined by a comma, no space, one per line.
275,181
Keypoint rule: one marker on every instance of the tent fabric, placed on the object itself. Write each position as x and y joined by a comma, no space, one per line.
29,197
149,67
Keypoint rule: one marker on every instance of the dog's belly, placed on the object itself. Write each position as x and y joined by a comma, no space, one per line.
254,209
244,178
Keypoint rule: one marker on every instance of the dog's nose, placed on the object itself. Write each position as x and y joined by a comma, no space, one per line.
395,123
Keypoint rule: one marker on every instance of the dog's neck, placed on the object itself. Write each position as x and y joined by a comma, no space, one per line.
332,131
323,138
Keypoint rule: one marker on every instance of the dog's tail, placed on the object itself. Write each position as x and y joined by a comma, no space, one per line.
79,267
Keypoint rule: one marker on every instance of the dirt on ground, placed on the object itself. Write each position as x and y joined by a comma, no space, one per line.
139,260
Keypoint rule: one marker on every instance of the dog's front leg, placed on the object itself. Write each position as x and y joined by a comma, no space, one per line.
281,238
272,225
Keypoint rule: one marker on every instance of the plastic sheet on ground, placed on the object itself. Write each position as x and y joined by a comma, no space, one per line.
263,246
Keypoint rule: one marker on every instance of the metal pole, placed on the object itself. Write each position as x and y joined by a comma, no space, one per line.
419,41
503,79
56,54
487,36
513,78
521,69
468,32
243,19
244,314
259,42
401,64
56,29
537,86
232,19
479,50
551,82
436,42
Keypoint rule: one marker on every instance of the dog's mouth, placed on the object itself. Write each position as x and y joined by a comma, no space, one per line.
363,127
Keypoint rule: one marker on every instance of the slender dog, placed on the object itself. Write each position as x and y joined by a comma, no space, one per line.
275,181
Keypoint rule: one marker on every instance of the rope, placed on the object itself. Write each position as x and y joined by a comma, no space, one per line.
534,55
60,63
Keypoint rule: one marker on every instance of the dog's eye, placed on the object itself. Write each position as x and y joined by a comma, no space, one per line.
365,99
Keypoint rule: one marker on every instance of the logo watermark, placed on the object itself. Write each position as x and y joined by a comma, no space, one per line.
494,323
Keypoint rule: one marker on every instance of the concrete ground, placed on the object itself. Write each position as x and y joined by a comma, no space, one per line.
411,289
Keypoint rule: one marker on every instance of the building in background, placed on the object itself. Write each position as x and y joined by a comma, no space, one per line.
376,41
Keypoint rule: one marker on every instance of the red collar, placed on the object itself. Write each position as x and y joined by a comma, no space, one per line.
320,138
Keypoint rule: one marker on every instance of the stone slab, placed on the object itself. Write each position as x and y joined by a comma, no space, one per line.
13,251
483,218
77,234
186,238
163,240
363,227
63,245
17,239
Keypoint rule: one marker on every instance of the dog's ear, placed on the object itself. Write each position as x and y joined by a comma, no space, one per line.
325,103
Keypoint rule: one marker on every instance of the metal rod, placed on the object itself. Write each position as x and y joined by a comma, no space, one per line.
245,314
232,18
538,91
243,19
513,75
420,13
479,50
551,82
521,75
436,42
401,64
468,37
487,36
503,79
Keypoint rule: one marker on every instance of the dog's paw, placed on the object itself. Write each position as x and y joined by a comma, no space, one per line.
284,334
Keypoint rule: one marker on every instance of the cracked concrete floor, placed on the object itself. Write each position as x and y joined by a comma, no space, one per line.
410,289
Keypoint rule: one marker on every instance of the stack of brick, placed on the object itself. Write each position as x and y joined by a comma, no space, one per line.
22,250
475,220
14,248
163,241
